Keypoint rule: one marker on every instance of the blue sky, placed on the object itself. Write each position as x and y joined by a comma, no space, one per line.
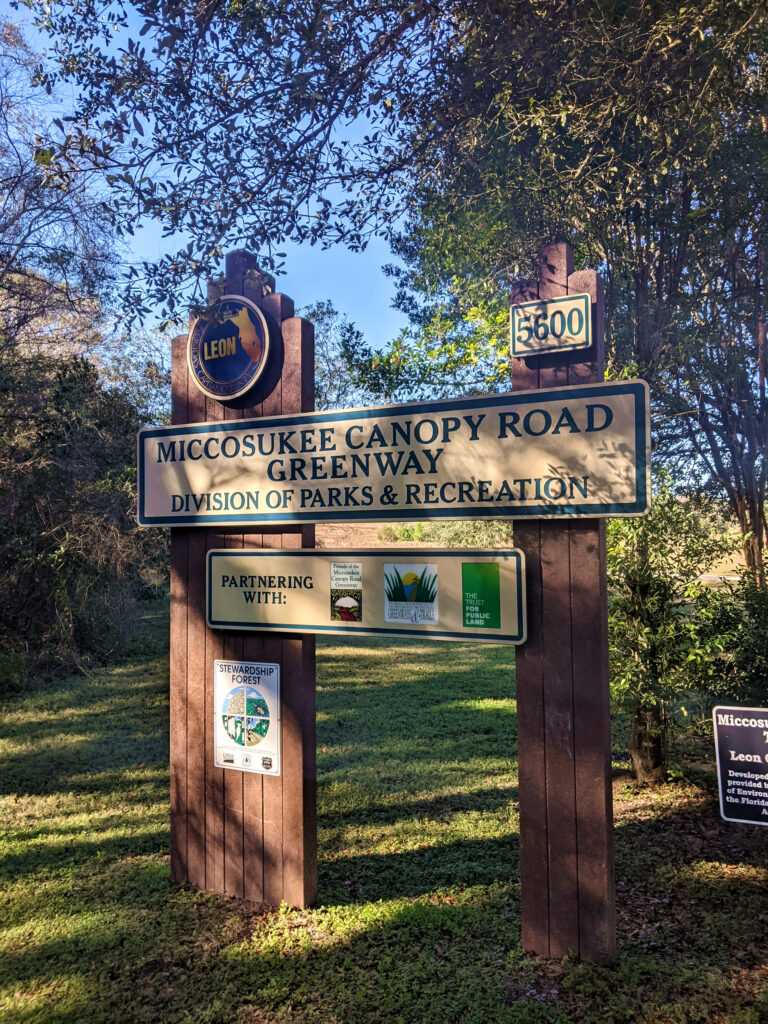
353,282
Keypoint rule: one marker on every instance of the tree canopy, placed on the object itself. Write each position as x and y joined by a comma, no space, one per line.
249,123
348,373
471,132
73,563
662,188
56,250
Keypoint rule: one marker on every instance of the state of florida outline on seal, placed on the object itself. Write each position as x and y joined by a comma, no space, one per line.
228,348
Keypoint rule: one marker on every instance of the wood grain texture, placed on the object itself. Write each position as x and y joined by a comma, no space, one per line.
531,746
228,827
273,785
253,785
224,793
178,642
196,663
566,840
558,694
531,753
592,738
214,777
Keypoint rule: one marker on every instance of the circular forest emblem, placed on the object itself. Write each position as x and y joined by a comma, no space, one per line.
227,348
245,716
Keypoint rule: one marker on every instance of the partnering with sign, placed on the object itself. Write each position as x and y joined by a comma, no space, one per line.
433,594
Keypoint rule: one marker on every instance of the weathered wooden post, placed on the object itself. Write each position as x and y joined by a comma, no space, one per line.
548,459
245,834
566,828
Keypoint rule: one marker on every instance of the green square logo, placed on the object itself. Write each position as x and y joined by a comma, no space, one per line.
481,595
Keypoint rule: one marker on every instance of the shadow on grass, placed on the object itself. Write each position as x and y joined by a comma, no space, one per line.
207,960
455,710
691,920
424,933
69,852
82,736
183,956
688,851
424,769
440,808
456,866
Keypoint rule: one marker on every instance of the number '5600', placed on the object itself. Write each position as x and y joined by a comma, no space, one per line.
549,325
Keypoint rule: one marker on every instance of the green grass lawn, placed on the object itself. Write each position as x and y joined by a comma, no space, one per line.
417,916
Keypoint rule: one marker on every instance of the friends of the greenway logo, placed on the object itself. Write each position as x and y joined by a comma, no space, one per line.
228,348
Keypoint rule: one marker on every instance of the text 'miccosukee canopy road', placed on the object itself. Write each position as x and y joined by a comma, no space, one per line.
568,452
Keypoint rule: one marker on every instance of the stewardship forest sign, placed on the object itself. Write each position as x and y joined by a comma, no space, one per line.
568,452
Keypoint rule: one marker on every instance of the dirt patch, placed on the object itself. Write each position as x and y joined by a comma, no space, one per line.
342,536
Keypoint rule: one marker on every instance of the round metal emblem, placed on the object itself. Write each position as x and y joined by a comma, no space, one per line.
228,347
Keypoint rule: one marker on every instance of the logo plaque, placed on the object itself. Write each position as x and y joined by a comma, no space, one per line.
228,348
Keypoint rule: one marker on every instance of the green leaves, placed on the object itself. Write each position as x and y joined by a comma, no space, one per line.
662,634
72,561
44,157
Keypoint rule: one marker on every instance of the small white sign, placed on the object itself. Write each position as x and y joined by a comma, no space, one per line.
346,574
246,698
551,325
410,593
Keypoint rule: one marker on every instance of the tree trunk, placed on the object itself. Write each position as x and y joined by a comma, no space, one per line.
753,541
753,558
647,746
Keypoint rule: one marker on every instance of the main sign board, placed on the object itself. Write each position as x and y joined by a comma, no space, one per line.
429,593
741,742
246,710
551,325
569,452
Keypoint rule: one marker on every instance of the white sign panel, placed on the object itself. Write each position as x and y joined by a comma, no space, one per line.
410,592
566,452
246,698
551,325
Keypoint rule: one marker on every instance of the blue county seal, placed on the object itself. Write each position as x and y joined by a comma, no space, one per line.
228,347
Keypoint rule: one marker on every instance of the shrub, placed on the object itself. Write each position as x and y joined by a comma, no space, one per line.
737,617
459,533
662,635
13,672
72,561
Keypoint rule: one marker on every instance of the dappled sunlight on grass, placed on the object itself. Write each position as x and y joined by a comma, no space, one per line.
416,791
417,918
494,704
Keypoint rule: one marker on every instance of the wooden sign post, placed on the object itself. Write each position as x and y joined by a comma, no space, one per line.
241,833
566,828
251,831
